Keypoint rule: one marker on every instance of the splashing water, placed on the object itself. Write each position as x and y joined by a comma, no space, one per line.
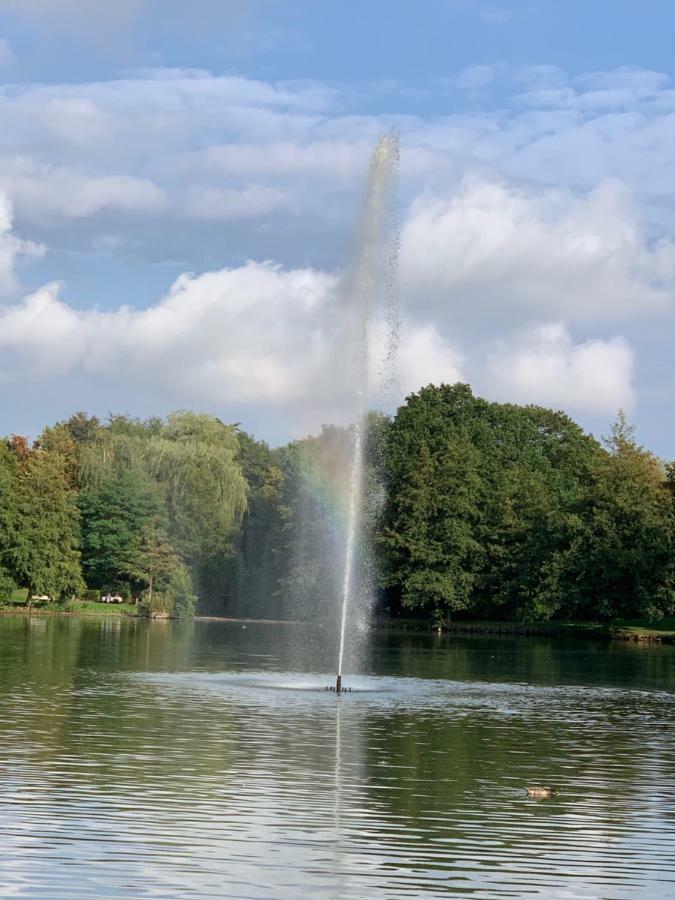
373,280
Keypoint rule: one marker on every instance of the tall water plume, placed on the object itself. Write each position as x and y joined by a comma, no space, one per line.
369,295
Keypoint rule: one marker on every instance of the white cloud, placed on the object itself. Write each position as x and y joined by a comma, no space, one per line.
494,248
216,204
425,357
6,53
258,334
545,366
421,356
188,159
251,334
11,247
47,191
341,159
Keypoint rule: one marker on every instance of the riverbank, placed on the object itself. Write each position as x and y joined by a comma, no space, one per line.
639,630
73,607
643,630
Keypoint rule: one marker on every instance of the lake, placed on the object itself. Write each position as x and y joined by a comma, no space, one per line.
204,759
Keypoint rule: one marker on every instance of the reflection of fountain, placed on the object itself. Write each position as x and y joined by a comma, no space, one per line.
374,261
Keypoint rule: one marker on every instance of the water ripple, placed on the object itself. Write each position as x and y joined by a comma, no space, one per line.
129,781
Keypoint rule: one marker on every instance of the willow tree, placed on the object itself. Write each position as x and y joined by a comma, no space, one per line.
191,460
195,457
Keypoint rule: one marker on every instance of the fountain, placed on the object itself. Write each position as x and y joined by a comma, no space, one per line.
372,279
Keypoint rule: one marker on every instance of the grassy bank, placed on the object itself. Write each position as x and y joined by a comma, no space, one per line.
73,607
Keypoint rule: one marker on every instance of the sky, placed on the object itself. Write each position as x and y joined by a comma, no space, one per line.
180,183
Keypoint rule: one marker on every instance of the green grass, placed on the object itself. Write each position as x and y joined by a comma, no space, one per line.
90,608
647,627
78,607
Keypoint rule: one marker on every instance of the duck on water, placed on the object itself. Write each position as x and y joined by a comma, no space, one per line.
541,792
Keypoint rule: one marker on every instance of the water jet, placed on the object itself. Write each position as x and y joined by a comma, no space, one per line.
374,259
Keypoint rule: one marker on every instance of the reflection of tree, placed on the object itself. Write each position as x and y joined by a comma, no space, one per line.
419,787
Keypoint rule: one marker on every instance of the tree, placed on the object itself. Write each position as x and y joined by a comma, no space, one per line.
180,592
192,461
252,575
482,502
114,515
8,473
153,560
621,563
43,551
195,458
82,428
429,534
314,509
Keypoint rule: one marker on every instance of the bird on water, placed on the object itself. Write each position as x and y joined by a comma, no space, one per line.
540,792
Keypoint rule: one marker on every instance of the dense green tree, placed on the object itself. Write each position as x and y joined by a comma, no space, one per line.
42,553
482,500
430,530
82,428
193,462
478,509
621,561
251,578
153,561
180,593
196,458
537,464
314,513
114,515
8,474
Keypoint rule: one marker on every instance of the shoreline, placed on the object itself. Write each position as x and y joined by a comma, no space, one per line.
624,632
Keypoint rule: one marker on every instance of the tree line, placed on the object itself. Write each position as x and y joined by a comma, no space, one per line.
472,508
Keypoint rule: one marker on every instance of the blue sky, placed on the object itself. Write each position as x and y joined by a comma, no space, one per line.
179,184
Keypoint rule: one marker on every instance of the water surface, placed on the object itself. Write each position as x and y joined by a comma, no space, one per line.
205,760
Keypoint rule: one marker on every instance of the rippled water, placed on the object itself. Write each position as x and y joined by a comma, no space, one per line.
176,760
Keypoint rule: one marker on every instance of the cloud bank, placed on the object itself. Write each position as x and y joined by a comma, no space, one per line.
543,365
506,280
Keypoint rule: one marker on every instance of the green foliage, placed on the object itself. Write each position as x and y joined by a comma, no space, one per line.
313,510
191,463
114,515
476,509
180,592
513,512
152,559
620,564
42,551
434,507
248,583
7,588
82,428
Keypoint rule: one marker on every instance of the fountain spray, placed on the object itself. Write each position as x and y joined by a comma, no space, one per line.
375,259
